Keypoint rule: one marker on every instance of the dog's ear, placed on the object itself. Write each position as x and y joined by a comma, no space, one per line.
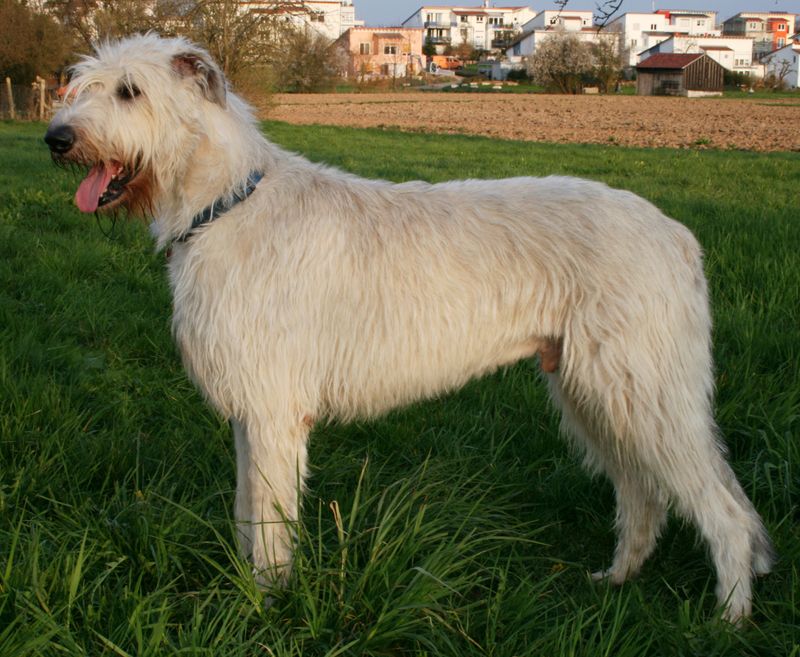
204,71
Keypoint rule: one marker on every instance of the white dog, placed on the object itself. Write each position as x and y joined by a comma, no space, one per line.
301,292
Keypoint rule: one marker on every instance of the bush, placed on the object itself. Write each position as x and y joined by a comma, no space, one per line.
736,79
518,75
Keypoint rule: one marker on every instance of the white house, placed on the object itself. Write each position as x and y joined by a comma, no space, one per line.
733,53
330,18
484,27
785,61
769,30
572,21
642,31
547,23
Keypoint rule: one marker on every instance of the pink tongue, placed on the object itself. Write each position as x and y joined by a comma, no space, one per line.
88,195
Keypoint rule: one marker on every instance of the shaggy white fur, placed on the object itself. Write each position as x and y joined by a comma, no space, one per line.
324,294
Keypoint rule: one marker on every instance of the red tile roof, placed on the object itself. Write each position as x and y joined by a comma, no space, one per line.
668,60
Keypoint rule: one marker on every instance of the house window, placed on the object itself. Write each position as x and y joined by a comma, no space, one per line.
479,19
653,26
318,17
495,20
364,49
553,21
464,19
390,50
633,42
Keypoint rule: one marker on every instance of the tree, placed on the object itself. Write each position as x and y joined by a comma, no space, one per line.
561,62
254,43
607,61
308,61
236,37
260,46
779,70
90,21
604,10
31,44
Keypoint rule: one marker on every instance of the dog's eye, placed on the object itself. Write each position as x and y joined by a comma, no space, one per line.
127,91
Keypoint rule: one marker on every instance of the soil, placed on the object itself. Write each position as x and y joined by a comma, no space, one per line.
723,123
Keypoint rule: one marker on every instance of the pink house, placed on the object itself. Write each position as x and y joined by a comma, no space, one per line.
372,52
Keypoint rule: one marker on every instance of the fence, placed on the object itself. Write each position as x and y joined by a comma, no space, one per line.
32,102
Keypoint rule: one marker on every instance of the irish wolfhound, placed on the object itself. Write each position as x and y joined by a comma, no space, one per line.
301,292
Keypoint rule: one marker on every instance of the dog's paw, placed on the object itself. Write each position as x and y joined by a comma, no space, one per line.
609,576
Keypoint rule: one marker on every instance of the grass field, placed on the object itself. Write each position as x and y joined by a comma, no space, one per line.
461,526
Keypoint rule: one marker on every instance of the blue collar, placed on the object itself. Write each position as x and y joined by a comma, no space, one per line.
220,207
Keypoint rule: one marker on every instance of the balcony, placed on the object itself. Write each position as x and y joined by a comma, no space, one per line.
441,24
438,35
501,44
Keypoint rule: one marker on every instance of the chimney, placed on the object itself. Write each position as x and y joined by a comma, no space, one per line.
485,4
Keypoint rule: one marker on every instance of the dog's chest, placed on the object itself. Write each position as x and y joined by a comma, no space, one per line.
201,325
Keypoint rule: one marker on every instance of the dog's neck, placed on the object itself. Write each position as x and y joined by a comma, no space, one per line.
222,205
215,172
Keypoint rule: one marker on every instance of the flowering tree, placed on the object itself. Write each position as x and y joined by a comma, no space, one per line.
561,62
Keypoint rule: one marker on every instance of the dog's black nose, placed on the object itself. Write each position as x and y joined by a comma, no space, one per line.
60,139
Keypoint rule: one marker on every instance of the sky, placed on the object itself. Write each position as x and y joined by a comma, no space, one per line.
394,12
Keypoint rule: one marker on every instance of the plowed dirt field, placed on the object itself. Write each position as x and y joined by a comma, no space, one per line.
752,124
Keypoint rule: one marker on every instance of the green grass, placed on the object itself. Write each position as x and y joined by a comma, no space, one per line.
762,94
460,526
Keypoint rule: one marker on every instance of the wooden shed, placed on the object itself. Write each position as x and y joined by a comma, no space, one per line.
673,74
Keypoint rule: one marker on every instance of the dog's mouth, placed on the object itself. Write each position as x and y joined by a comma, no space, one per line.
105,186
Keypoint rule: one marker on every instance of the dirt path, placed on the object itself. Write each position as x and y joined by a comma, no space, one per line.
752,124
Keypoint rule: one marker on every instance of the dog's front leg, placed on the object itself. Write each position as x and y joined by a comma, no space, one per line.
242,508
271,468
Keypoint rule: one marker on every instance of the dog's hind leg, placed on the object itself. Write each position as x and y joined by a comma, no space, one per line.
641,505
658,427
763,551
272,465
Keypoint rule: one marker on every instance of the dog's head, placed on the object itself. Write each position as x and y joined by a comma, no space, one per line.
127,118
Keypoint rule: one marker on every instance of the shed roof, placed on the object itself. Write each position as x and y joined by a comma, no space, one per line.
669,61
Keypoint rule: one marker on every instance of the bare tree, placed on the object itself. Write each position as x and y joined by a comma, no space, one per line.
90,21
308,61
255,44
779,70
604,10
238,38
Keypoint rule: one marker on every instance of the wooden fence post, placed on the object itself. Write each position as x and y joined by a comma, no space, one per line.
11,111
41,99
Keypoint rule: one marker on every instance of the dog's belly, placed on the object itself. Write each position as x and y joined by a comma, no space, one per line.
411,370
